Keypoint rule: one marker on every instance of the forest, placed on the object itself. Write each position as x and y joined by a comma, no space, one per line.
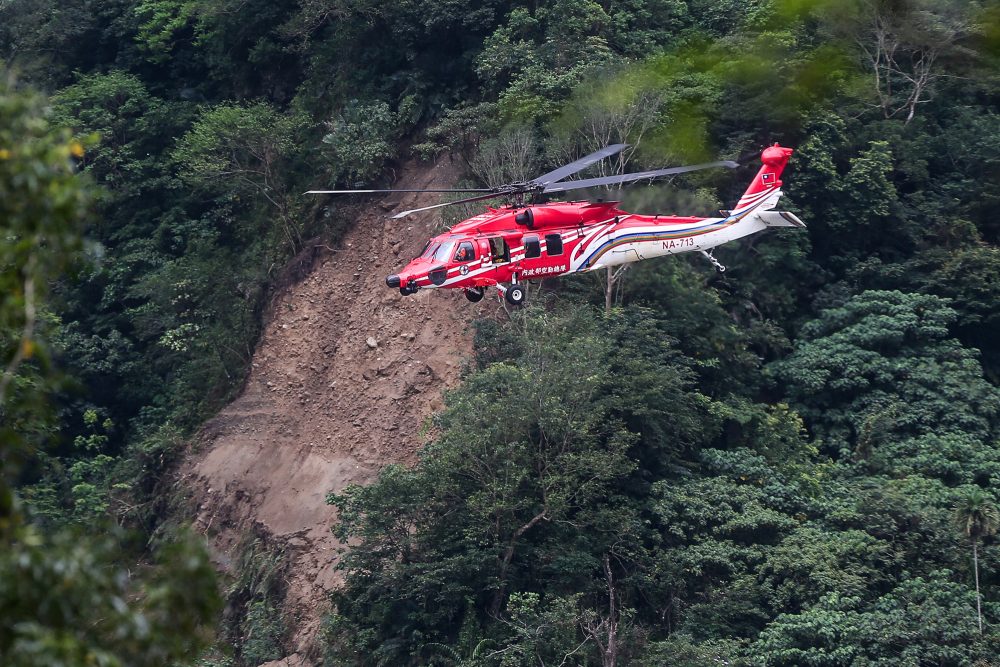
796,462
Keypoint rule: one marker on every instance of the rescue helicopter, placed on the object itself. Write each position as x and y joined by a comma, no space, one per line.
506,246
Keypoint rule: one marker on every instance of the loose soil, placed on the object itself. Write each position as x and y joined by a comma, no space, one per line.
344,380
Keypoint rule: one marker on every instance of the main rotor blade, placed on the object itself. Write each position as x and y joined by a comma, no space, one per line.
403,214
638,176
573,167
368,192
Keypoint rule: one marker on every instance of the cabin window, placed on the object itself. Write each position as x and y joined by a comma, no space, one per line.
499,250
532,248
553,244
465,252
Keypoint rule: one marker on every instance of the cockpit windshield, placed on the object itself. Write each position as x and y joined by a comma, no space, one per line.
438,251
429,249
443,252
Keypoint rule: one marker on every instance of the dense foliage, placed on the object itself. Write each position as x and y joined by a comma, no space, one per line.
67,598
794,463
585,501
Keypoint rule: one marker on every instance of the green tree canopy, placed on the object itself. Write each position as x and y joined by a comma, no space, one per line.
67,599
880,378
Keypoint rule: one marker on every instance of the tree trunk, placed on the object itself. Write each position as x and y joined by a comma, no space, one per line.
508,556
614,276
975,568
609,291
611,653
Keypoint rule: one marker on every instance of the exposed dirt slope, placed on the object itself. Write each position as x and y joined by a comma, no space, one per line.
322,408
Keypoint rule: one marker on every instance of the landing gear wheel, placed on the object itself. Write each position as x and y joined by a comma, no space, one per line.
515,295
474,294
406,290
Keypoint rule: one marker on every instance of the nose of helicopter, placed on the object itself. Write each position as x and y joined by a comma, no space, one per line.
392,281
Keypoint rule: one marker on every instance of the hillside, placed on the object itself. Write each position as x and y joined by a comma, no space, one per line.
322,409
794,462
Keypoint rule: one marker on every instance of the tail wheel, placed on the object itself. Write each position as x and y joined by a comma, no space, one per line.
515,295
475,294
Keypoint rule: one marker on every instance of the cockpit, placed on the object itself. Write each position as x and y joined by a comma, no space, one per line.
449,251
436,260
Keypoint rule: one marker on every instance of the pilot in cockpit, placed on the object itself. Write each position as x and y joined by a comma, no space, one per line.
464,253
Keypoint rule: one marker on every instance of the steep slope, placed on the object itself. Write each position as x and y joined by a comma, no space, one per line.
343,380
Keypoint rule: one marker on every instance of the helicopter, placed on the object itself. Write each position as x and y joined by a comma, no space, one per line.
503,247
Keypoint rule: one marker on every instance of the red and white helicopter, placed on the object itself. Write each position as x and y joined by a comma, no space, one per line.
506,246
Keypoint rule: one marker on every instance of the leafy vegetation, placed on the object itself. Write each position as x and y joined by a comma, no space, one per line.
794,463
66,596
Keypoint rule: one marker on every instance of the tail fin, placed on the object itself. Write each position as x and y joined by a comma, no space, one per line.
764,190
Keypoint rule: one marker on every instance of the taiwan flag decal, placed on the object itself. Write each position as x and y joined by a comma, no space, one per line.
767,179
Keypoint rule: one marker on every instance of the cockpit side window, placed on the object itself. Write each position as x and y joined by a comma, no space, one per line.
466,252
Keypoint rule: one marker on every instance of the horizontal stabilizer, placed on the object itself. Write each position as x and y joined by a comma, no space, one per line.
780,219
